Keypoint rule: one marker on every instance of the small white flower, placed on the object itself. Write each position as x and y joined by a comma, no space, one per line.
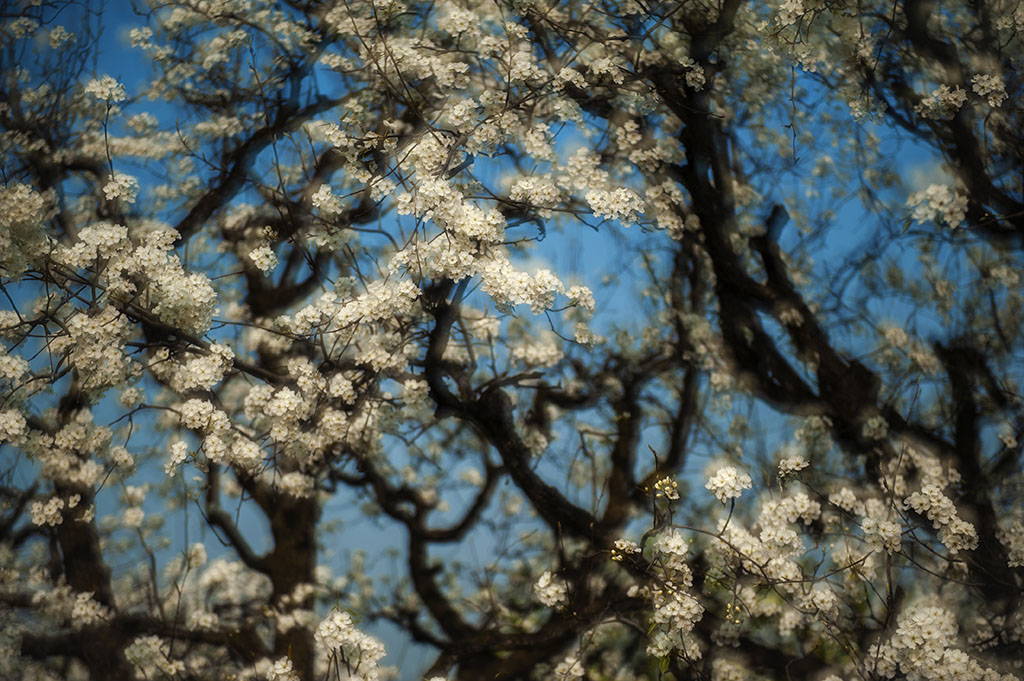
942,103
991,88
196,555
23,27
179,452
282,671
106,88
326,201
48,513
791,465
581,296
939,203
133,517
551,591
123,187
875,428
60,35
672,543
728,483
619,204
569,669
264,258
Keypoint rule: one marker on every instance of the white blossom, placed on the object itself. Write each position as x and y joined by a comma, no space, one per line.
358,652
122,187
728,483
939,203
990,87
264,259
49,513
942,103
106,88
550,590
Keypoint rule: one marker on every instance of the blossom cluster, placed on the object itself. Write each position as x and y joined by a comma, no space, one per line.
106,88
122,187
727,483
551,590
925,647
992,88
956,533
63,603
675,609
357,652
939,203
148,653
791,465
942,103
